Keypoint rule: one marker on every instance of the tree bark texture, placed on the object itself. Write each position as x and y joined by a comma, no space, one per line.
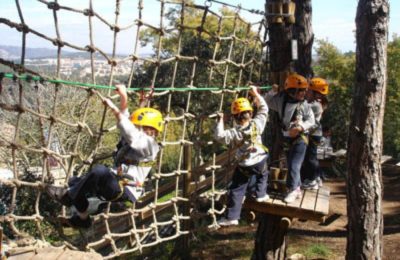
279,44
280,35
364,180
303,32
270,240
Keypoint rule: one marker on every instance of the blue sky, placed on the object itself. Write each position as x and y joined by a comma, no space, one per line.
332,20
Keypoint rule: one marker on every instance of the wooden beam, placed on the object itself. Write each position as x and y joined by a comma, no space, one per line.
314,205
1,241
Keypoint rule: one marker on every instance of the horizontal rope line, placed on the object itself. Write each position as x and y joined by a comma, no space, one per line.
29,78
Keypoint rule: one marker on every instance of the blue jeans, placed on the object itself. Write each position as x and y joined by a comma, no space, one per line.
310,169
252,179
295,157
99,181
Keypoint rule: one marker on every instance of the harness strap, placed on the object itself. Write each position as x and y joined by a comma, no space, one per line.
125,182
254,137
296,140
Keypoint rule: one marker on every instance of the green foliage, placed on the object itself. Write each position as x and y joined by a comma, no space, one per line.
25,206
193,42
338,69
317,250
391,127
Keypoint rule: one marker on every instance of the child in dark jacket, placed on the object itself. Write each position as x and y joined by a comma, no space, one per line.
316,97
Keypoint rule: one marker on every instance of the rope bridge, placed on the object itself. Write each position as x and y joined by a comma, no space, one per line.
54,127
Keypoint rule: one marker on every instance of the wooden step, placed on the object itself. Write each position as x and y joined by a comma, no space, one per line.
313,205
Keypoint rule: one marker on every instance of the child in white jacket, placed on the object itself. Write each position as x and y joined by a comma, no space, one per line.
137,153
251,154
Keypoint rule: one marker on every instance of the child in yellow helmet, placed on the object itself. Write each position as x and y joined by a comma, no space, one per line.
137,153
251,154
316,97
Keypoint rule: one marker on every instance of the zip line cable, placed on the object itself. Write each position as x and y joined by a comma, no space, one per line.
29,78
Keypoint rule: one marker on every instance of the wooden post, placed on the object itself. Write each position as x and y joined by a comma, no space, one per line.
1,242
270,240
186,193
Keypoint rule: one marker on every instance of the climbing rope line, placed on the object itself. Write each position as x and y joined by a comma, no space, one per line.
53,133
30,78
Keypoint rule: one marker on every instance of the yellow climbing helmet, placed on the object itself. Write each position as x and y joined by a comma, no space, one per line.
147,116
320,85
240,105
296,81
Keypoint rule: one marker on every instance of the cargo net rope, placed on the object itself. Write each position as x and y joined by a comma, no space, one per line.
55,126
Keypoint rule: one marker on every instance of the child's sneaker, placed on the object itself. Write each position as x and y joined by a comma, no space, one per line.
293,195
319,181
263,199
223,222
310,185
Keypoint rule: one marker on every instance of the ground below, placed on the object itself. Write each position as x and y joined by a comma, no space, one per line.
314,240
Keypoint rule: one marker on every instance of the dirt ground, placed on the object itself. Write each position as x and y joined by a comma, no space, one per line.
314,240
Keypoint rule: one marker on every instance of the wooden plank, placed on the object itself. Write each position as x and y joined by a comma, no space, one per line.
201,186
385,158
322,204
148,212
325,163
1,240
23,256
314,205
308,200
224,160
163,190
73,254
50,253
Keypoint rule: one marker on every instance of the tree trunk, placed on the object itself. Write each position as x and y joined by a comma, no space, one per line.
279,44
280,35
364,181
270,240
303,32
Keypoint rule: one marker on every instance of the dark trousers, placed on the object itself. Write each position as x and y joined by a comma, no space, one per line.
295,157
99,181
310,169
252,179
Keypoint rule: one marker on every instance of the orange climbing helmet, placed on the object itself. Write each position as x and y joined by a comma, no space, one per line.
296,81
320,85
147,116
240,105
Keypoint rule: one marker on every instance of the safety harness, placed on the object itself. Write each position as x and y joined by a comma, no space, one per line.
301,136
122,163
254,143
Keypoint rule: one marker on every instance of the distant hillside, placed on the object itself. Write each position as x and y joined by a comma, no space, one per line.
14,53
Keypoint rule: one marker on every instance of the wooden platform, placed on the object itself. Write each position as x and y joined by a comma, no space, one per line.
51,253
313,205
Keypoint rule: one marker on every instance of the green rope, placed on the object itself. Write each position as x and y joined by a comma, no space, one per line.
29,78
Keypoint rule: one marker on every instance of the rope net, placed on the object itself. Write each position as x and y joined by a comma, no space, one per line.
53,128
